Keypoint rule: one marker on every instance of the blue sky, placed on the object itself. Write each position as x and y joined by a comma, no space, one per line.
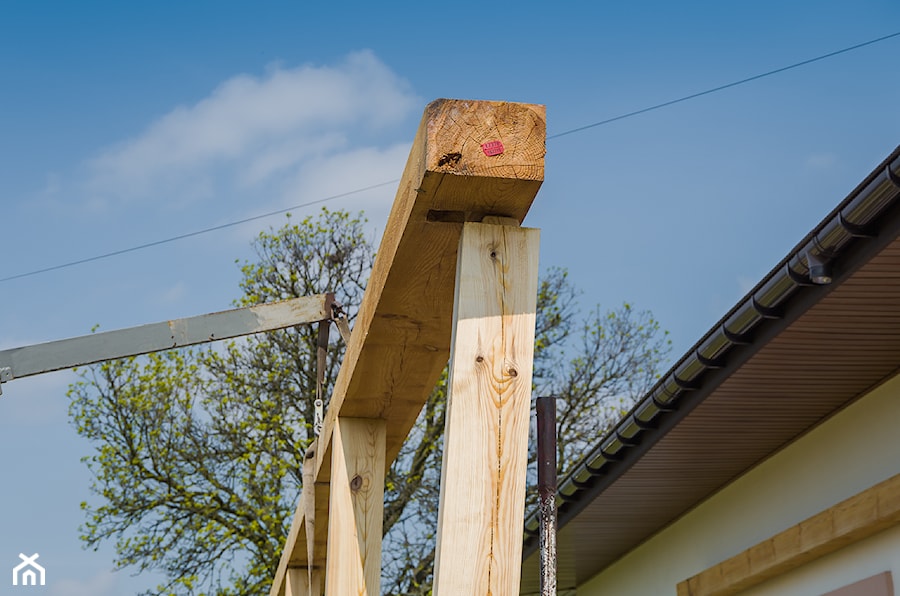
126,123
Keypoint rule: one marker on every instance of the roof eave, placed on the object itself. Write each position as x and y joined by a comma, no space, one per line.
859,227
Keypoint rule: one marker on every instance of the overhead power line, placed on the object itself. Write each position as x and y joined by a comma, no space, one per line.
671,102
380,184
230,224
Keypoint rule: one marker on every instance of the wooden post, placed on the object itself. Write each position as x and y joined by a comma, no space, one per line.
300,582
296,582
300,569
479,540
313,576
356,508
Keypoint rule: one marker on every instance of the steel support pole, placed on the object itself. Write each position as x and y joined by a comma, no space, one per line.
546,450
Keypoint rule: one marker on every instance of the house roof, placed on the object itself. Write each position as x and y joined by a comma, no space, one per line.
789,355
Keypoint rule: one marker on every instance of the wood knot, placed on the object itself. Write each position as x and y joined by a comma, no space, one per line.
356,483
449,159
513,372
479,359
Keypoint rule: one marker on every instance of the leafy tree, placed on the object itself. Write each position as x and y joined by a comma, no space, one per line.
199,453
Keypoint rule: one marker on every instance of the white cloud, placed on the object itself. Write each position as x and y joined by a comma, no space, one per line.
286,154
821,161
328,176
252,129
174,294
36,401
102,584
745,284
337,174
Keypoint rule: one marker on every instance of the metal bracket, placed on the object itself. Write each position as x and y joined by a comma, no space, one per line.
894,178
321,355
5,375
340,320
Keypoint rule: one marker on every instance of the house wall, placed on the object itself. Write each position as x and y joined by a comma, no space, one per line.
858,561
847,454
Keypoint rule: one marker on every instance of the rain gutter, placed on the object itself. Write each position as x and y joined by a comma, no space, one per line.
851,234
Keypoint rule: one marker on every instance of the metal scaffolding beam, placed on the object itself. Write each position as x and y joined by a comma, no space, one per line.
46,357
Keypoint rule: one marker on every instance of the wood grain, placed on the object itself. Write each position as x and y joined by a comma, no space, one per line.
356,508
302,583
486,439
304,550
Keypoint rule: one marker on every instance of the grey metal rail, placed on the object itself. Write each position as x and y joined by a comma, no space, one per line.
122,343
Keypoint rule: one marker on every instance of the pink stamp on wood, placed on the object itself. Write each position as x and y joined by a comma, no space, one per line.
492,148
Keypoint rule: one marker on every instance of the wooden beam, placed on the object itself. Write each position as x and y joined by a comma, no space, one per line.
293,563
456,172
304,551
356,508
851,520
401,337
482,506
297,584
286,579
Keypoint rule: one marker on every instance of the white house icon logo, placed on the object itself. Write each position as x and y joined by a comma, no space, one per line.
28,571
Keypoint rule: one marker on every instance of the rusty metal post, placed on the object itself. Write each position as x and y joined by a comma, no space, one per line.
546,472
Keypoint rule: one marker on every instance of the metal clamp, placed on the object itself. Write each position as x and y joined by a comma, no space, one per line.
340,321
321,355
339,318
318,416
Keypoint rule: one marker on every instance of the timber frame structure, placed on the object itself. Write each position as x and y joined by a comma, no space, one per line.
455,278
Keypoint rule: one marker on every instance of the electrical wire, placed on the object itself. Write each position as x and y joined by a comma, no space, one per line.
553,136
671,102
195,233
